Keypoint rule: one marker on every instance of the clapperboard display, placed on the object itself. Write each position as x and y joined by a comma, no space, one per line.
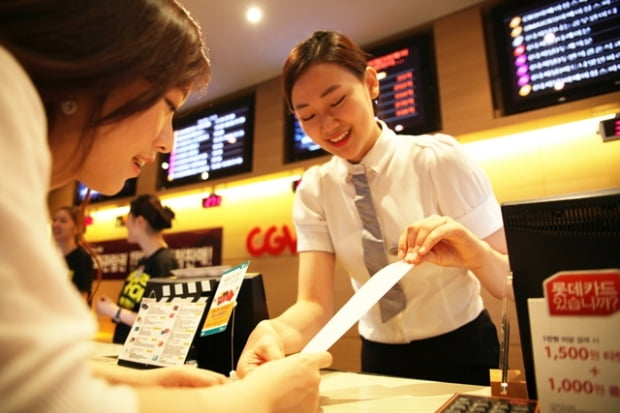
172,316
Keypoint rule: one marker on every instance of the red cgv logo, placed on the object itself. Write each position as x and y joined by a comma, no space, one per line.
273,241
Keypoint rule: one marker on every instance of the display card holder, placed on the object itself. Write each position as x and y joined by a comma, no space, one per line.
576,342
173,315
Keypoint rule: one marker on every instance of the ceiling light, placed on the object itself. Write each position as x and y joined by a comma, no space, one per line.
254,14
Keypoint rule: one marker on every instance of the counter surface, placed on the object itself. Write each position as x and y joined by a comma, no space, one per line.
357,392
350,392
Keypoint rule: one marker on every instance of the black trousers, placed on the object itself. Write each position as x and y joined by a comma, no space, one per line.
464,355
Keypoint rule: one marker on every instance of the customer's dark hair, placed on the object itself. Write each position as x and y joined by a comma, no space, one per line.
150,208
94,47
322,47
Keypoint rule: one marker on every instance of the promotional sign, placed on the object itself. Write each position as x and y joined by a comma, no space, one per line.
224,300
169,318
163,332
576,342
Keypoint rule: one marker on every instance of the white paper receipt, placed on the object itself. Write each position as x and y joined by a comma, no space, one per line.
358,305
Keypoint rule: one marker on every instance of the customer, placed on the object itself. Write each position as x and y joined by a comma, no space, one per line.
436,210
87,92
68,230
146,220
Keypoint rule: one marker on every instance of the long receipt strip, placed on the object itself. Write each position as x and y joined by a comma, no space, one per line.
358,305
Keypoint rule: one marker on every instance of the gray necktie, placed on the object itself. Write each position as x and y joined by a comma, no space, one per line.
394,301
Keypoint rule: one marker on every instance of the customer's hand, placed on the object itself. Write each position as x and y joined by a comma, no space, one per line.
177,376
267,348
183,376
290,384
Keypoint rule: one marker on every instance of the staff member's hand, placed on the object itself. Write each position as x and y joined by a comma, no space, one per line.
441,241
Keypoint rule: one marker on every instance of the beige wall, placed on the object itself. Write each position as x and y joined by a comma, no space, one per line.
549,151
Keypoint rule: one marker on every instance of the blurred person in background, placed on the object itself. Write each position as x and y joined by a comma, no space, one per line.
68,231
145,223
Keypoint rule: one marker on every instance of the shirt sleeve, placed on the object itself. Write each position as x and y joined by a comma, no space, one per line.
463,189
45,328
308,215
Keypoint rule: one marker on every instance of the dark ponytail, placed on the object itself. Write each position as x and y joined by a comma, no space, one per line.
150,208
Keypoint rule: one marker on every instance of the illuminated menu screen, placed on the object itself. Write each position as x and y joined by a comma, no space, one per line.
408,100
556,51
211,143
397,84
299,146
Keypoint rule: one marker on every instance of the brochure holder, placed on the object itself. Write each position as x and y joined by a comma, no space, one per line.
173,316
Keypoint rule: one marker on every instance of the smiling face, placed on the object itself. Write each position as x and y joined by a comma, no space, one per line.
64,227
120,149
334,108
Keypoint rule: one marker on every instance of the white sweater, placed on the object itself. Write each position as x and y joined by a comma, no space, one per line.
45,328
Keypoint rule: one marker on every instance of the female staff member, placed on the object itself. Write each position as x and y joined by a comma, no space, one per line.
87,92
435,208
67,229
146,220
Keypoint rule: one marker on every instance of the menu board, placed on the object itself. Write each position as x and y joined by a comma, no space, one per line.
551,52
212,142
408,99
397,87
298,145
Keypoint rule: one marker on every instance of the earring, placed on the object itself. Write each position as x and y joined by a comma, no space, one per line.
68,107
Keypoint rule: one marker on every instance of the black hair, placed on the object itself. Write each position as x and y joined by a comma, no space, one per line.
94,47
322,46
150,208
